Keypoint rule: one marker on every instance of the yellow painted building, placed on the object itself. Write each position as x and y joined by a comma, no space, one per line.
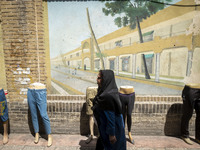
171,38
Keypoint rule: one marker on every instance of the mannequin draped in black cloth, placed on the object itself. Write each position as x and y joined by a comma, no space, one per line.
107,110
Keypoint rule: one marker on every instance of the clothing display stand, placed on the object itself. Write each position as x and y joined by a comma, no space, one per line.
37,100
191,101
4,115
90,94
127,97
37,94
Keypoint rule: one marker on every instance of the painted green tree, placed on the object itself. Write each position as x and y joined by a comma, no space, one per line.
132,13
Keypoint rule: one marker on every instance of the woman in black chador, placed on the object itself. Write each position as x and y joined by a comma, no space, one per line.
107,110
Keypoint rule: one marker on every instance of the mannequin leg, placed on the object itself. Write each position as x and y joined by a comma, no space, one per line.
130,137
91,124
36,138
187,115
129,121
4,115
5,134
130,108
50,140
42,107
197,122
34,115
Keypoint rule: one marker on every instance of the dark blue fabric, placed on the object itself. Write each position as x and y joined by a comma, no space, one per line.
107,110
111,123
4,114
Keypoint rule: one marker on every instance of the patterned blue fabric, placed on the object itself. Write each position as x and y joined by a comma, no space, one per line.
3,105
111,123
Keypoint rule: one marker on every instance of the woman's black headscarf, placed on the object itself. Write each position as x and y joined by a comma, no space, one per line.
107,97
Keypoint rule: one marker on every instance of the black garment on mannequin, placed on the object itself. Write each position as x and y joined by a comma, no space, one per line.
127,101
191,100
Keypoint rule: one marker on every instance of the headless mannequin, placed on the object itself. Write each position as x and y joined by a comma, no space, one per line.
38,86
5,133
90,94
5,128
191,100
127,93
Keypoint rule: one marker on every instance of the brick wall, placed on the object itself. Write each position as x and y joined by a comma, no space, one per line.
151,116
23,38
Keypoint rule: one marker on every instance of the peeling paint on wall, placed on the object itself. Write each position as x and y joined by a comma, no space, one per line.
22,80
195,26
195,74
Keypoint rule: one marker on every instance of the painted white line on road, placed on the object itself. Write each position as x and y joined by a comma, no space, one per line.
153,77
59,89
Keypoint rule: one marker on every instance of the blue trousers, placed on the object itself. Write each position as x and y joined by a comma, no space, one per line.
37,99
3,105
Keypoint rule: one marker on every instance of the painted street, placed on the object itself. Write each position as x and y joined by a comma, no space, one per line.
80,80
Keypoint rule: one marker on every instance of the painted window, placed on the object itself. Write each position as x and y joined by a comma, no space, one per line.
118,43
148,36
112,64
125,63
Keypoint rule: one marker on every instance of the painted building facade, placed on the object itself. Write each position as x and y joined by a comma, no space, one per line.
170,47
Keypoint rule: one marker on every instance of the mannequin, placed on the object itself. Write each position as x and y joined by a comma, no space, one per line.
90,94
127,97
4,115
191,101
37,100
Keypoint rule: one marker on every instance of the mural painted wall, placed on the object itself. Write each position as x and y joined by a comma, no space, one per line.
80,38
168,54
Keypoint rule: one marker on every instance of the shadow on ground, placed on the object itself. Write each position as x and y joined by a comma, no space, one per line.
173,120
90,146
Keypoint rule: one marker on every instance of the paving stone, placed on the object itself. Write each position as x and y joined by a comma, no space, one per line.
1,146
12,147
34,148
77,142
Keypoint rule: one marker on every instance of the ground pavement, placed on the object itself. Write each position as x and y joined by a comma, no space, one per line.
77,142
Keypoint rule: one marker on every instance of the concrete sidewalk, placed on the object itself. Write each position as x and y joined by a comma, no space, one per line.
77,142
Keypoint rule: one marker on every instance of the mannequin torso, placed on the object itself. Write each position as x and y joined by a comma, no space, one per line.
194,85
126,89
37,85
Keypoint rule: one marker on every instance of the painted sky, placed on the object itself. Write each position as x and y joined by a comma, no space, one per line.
68,24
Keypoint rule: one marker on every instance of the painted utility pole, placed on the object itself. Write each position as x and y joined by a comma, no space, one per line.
147,76
95,41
